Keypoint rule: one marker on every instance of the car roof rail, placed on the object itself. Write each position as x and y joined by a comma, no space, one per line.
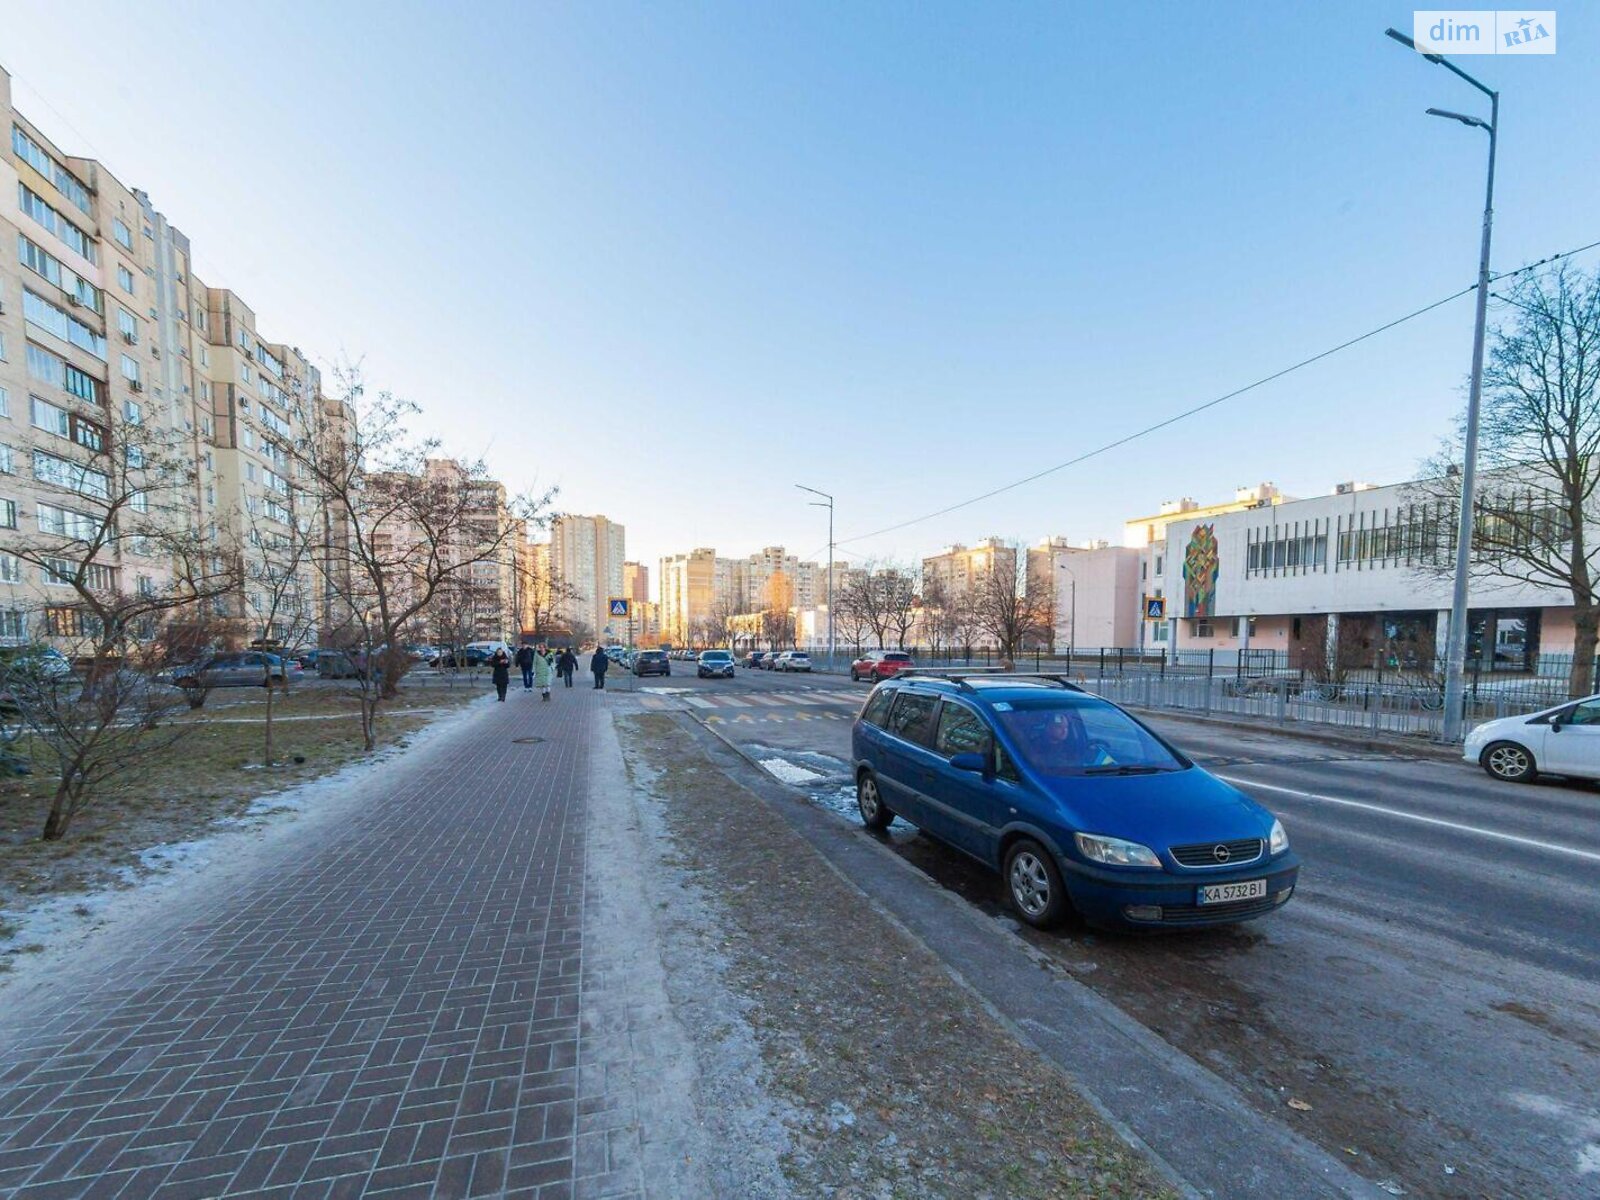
960,676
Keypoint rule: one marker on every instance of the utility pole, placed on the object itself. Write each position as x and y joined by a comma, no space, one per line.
1456,641
829,507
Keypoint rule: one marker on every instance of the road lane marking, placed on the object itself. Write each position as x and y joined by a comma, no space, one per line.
1535,843
698,702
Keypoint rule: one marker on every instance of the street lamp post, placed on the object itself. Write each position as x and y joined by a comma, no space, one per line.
1456,638
1072,614
829,506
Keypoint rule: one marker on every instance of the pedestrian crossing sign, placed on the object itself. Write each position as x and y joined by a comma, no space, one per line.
1155,608
619,606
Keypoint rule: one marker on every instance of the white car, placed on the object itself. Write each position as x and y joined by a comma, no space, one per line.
792,660
1564,740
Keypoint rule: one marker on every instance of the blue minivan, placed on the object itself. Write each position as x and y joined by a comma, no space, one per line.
1077,804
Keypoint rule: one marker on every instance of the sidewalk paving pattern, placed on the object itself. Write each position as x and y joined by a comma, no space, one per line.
393,1012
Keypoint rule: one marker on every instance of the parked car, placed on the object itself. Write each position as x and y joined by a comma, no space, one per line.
880,664
793,660
241,668
1078,805
651,662
1564,740
753,659
769,660
28,670
714,664
475,654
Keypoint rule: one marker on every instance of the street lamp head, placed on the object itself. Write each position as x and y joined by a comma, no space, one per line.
1411,45
1455,116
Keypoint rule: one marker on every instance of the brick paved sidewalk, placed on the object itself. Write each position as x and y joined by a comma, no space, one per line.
393,1010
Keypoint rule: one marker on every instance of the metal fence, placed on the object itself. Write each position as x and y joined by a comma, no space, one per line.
1262,686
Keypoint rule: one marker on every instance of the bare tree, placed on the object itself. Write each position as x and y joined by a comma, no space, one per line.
880,598
410,522
278,597
1003,608
122,548
1539,447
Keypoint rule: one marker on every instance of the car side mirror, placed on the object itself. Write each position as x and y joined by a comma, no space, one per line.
970,760
1555,724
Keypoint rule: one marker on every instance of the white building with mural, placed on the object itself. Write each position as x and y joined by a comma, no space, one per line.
1342,578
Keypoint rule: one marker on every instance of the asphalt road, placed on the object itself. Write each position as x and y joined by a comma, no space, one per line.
1430,993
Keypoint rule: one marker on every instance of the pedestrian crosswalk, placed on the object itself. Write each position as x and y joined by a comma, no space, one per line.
750,707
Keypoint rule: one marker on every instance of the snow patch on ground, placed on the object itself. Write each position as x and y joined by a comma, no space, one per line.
665,691
788,772
63,923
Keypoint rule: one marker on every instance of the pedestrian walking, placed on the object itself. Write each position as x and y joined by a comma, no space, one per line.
525,657
544,670
598,665
500,672
567,665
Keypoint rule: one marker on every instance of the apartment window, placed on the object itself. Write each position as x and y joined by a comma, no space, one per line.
125,279
130,368
30,152
61,621
13,626
58,322
248,437
205,361
250,472
61,472
64,522
128,324
200,319
56,371
133,412
122,233
49,268
276,511
88,434
140,502
1202,629
5,403
274,422
1159,563
8,514
48,417
135,457
8,461
2,346
246,374
35,206
144,585
10,568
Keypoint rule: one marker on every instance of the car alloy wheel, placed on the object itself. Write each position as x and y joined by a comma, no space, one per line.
875,813
1509,761
1032,879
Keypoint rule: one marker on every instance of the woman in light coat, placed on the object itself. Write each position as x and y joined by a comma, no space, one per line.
544,670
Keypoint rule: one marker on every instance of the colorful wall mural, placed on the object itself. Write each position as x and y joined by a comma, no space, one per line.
1200,562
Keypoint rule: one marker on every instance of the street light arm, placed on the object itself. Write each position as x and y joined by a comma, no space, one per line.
1441,60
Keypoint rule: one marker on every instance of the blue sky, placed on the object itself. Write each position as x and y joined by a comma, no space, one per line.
676,258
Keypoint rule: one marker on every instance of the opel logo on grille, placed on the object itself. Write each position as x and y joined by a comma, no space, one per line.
1221,853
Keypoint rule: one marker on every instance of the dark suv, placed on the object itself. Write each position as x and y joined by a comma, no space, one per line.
1076,803
652,662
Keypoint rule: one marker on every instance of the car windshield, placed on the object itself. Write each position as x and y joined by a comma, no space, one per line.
1069,736
653,655
716,656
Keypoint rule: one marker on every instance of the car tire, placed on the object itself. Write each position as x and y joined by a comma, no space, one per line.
1509,761
1033,884
854,678
875,814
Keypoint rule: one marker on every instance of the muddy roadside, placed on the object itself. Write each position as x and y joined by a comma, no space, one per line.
893,1080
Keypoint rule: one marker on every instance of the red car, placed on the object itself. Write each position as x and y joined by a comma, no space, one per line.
880,664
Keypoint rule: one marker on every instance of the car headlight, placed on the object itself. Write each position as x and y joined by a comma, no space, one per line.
1277,840
1115,851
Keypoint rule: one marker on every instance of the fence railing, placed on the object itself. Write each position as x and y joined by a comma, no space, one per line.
1263,686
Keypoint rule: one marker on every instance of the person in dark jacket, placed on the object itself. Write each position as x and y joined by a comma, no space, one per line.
598,665
500,668
525,662
566,665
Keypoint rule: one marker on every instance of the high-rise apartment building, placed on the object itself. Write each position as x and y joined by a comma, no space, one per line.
636,582
88,280
955,570
586,556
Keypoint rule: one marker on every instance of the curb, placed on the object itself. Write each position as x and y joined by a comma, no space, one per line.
1171,1078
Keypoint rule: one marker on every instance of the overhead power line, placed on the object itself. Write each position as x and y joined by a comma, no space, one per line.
1200,408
